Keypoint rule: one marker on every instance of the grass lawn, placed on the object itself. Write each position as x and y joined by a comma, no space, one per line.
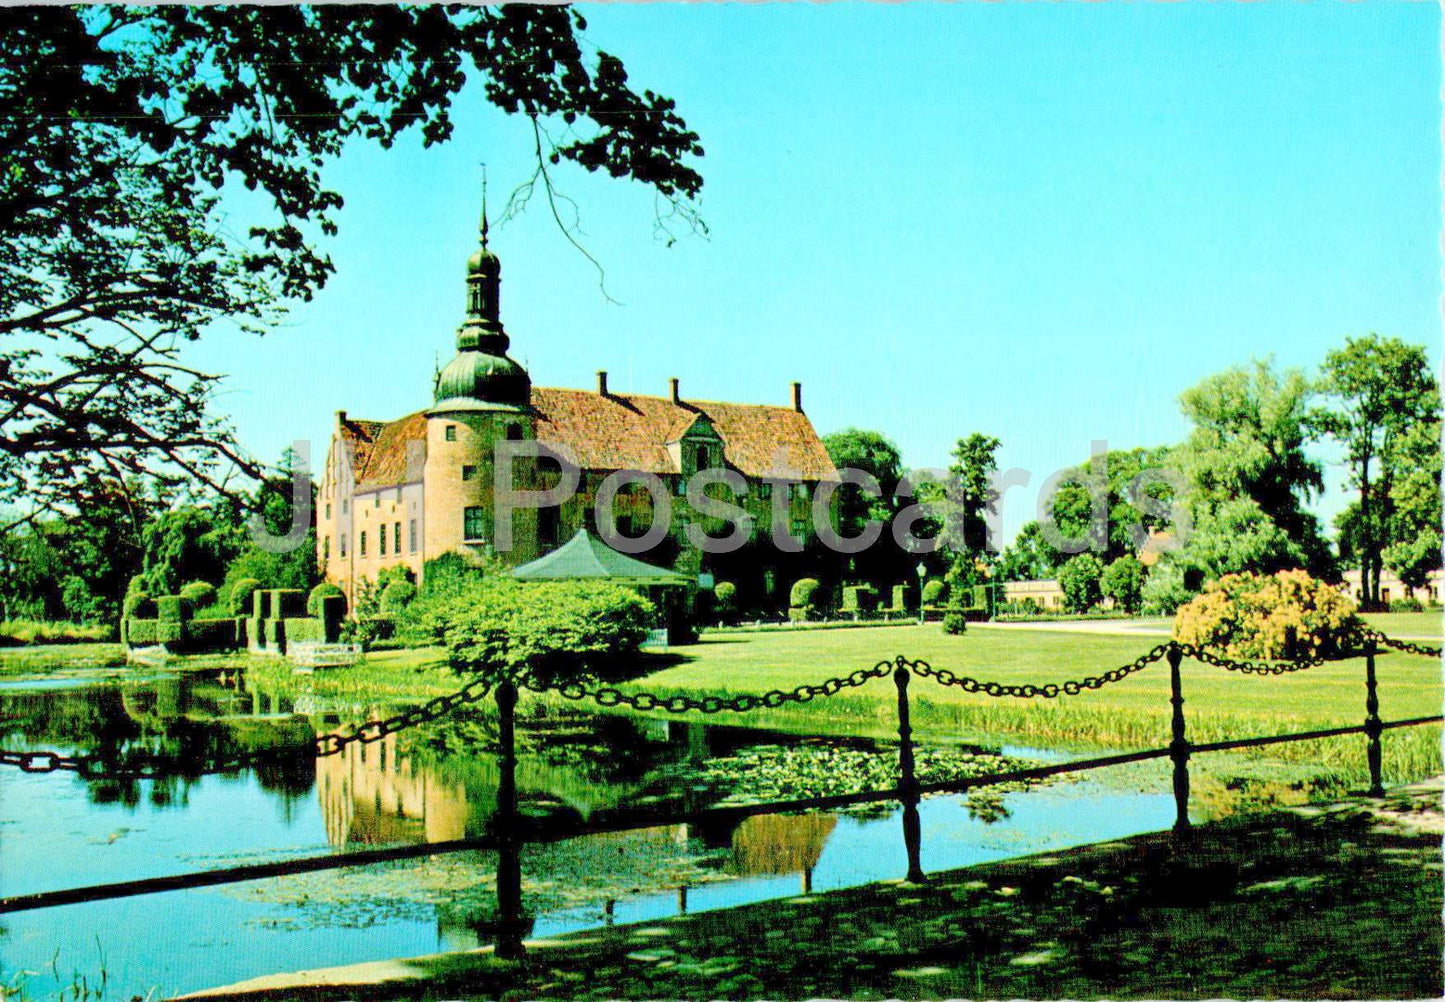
1406,624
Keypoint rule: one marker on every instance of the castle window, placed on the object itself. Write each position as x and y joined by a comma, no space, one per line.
451,433
325,547
381,541
341,544
549,524
345,506
361,546
376,500
412,534
469,473
328,512
473,524
396,538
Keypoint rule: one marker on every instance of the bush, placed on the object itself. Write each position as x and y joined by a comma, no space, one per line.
138,604
324,590
934,591
306,630
285,603
1079,581
725,600
1123,581
955,620
860,599
253,632
1285,615
141,632
804,591
172,609
199,593
394,573
902,597
551,628
170,631
396,596
239,599
210,635
1409,604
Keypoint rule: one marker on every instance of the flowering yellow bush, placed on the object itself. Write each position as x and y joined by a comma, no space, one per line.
1286,615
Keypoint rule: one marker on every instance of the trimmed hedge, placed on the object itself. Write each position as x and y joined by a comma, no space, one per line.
260,599
803,592
934,590
141,632
170,631
319,594
172,608
902,595
240,601
303,630
860,598
210,634
138,605
332,609
286,603
199,593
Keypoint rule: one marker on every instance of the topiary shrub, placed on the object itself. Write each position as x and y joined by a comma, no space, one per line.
305,630
396,596
955,619
934,591
141,632
725,600
902,597
239,599
1408,604
860,599
199,593
324,590
555,629
138,604
1284,615
172,609
802,598
285,603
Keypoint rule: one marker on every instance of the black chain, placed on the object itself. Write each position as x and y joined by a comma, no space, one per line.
1252,667
679,703
150,766
1400,645
1071,688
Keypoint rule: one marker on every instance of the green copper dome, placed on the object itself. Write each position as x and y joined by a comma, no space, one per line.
478,381
482,377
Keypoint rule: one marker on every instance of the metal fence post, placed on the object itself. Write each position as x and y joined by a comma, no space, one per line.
1178,747
1373,729
509,856
908,782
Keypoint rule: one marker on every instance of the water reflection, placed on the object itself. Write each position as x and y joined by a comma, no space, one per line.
430,783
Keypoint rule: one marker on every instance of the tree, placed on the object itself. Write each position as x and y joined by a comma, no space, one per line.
971,500
1029,557
872,453
1079,581
123,124
1414,528
1123,581
1072,504
1377,390
1251,427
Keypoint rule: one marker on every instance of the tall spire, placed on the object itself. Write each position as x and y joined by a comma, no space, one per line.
484,206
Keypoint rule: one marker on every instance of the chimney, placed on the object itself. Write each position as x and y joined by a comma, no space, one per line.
676,397
602,382
798,397
340,417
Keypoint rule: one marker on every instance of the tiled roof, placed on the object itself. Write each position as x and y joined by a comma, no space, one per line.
617,432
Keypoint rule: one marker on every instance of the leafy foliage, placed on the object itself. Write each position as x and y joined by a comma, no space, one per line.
318,594
552,627
1079,580
804,593
1123,581
396,596
239,595
122,126
1284,615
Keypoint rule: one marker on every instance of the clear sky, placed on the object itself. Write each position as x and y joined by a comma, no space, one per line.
1038,221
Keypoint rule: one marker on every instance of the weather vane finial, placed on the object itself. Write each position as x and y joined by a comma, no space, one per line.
484,205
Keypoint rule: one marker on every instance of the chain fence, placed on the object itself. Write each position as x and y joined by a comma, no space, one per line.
150,766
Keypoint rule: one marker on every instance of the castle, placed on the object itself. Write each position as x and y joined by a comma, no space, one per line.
407,491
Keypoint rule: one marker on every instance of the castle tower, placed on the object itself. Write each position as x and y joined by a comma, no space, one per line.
482,396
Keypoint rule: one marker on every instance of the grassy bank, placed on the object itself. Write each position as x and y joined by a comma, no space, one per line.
1334,903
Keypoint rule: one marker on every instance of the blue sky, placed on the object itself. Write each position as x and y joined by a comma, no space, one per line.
1038,221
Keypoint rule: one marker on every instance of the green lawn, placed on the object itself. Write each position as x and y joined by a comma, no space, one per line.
1406,624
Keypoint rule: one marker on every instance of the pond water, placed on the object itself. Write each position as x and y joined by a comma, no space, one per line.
433,783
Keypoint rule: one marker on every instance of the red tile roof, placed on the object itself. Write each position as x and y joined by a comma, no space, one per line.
617,432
